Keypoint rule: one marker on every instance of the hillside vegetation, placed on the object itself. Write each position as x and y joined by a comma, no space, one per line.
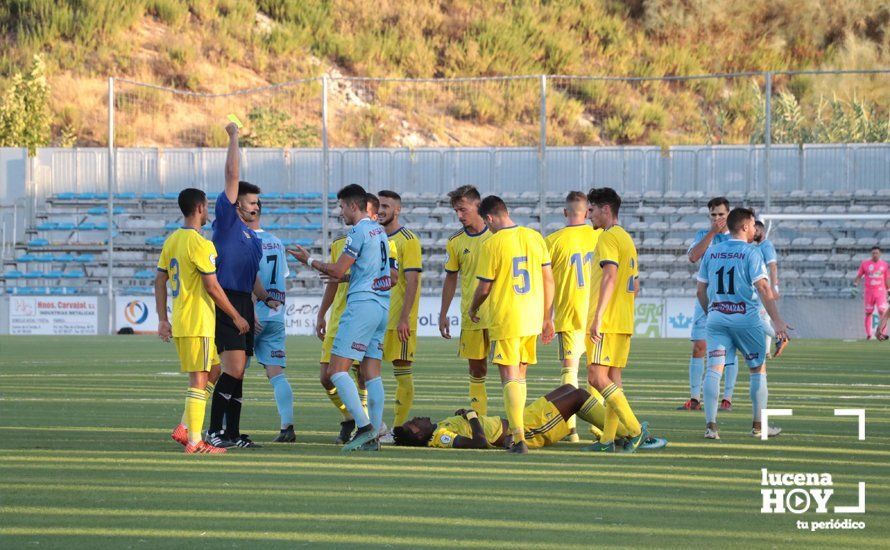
218,46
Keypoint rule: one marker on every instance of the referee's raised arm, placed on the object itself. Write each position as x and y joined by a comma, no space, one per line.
233,163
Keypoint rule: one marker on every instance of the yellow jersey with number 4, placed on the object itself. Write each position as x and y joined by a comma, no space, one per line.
186,256
615,246
571,252
512,260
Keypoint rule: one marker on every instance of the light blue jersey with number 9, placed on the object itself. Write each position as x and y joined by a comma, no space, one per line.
369,276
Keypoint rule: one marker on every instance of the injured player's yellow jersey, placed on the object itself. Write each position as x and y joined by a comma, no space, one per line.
448,429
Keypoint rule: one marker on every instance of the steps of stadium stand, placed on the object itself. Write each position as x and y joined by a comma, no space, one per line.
72,227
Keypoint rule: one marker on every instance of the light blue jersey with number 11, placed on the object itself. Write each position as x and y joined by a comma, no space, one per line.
731,268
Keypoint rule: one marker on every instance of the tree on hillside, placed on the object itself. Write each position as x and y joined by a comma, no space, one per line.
24,110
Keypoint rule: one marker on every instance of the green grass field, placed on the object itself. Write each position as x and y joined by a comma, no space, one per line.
86,459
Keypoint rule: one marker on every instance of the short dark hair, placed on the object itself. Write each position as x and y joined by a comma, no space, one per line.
717,201
492,206
259,207
354,194
245,187
738,216
876,247
189,199
576,196
406,438
468,192
373,201
390,195
758,223
602,196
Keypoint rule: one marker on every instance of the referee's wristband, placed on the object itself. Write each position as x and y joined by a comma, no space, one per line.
471,415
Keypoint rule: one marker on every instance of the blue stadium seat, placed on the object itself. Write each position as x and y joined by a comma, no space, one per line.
155,241
293,226
303,242
14,274
27,257
86,226
47,226
125,196
87,196
43,258
34,275
316,196
170,196
150,196
66,196
73,275
291,196
84,258
144,274
54,274
271,196
281,210
38,242
171,226
312,227
212,196
65,226
271,226
101,210
101,226
64,258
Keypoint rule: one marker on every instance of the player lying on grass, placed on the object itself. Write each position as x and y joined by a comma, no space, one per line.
545,424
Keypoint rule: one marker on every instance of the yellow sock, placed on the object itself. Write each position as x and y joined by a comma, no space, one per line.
335,399
617,402
363,396
593,411
478,395
208,393
195,404
514,404
569,375
404,393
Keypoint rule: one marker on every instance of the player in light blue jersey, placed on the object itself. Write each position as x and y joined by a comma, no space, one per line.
718,209
363,324
771,259
269,339
732,285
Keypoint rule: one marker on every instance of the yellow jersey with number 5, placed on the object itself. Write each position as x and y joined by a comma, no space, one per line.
186,256
512,260
615,246
571,250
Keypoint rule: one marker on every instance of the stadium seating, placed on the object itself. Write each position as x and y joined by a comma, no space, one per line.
64,249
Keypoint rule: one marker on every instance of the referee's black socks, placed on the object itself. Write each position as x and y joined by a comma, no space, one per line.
222,396
233,411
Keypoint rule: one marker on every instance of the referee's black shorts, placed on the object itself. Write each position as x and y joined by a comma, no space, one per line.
227,337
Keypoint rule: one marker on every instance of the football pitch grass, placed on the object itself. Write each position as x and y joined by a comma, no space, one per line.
86,459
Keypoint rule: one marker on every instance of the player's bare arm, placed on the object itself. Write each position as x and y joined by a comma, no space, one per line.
478,440
412,280
211,285
547,330
774,278
233,162
165,330
606,290
769,303
335,270
321,324
449,287
483,289
701,293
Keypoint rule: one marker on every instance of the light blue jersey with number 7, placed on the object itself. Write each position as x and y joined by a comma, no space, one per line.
273,272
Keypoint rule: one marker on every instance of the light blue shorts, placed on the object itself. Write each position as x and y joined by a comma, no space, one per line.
725,340
361,331
269,347
699,324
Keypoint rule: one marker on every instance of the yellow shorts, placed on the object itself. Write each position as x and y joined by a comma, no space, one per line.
612,350
473,344
328,344
513,351
544,425
396,350
196,353
571,344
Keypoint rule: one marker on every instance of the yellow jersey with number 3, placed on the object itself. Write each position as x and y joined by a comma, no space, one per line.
615,246
571,252
409,254
462,255
512,260
186,256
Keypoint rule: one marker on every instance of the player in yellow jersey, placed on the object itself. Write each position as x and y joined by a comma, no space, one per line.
188,262
571,251
614,285
514,271
335,296
461,258
546,423
400,341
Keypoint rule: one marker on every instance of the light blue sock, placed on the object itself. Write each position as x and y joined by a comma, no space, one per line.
696,371
376,400
349,396
712,388
759,393
284,399
731,373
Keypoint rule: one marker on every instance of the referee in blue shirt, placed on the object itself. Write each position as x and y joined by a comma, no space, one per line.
240,251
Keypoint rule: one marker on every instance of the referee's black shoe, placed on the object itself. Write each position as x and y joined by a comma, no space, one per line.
244,441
